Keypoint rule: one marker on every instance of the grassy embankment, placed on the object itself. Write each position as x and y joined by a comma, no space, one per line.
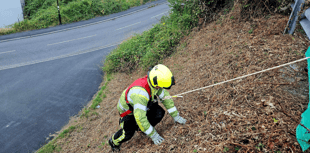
143,50
43,14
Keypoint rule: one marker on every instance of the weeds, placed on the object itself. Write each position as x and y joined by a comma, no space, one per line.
251,31
98,98
226,149
85,113
49,148
260,146
66,132
151,46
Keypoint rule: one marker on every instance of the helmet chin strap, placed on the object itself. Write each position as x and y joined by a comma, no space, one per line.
149,82
157,87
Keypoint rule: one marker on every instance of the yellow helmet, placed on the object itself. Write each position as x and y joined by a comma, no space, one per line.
161,76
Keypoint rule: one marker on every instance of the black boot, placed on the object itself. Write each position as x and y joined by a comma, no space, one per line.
113,146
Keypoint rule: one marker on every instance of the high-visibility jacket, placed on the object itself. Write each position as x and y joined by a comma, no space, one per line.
138,98
142,82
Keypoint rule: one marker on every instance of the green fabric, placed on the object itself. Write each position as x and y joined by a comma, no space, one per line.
301,133
140,115
168,103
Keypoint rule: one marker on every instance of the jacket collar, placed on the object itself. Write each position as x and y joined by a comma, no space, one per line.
153,90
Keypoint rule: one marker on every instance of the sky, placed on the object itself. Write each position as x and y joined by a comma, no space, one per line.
10,11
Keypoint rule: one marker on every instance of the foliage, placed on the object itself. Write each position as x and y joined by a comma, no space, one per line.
150,47
226,149
66,132
81,10
6,31
85,113
209,9
49,148
258,8
33,6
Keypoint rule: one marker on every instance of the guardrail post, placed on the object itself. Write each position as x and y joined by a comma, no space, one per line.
59,17
291,24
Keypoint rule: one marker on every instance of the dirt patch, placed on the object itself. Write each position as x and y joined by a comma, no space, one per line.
255,114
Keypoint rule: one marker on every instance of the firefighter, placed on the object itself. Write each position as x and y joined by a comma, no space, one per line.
139,109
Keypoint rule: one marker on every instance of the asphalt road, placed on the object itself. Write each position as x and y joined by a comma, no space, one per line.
48,75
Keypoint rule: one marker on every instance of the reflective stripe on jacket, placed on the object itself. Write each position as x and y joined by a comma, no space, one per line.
138,98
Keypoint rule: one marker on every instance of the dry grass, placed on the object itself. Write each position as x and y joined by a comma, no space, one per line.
5,29
235,115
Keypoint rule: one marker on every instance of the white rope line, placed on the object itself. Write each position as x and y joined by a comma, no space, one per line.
179,95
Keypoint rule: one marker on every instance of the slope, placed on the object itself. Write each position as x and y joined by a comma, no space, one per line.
259,113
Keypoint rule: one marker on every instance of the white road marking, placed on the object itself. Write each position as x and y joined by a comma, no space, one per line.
129,25
9,124
55,58
7,51
71,40
158,15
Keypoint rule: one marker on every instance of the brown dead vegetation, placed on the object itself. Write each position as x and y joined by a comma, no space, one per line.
256,114
4,29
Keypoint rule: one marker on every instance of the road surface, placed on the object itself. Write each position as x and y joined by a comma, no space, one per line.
48,75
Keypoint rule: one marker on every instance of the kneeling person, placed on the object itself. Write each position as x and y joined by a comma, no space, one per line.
139,109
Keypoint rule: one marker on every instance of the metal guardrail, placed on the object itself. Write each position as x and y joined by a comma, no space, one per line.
291,24
305,22
304,18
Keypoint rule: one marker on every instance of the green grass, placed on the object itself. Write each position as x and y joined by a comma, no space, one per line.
149,48
66,132
251,31
99,96
49,148
85,113
226,149
44,13
96,102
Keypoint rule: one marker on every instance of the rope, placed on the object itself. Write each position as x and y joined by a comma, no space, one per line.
179,95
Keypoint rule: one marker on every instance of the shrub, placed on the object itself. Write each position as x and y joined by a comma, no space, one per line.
148,48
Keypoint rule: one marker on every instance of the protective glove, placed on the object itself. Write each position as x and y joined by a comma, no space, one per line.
179,119
157,139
